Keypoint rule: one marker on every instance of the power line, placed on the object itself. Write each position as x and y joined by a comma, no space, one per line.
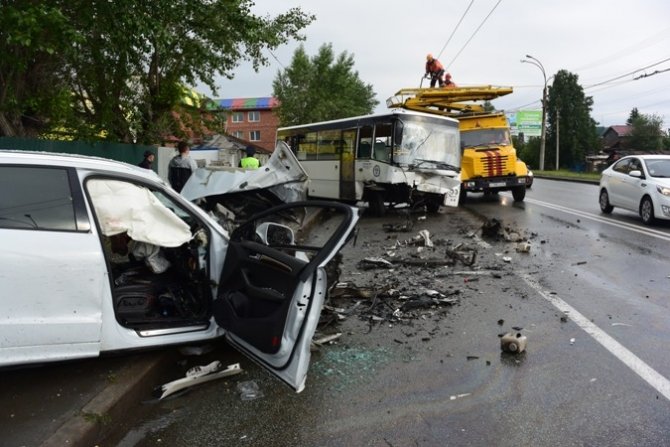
473,34
646,75
454,31
616,78
278,61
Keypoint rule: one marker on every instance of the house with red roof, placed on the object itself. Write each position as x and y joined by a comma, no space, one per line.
616,137
252,120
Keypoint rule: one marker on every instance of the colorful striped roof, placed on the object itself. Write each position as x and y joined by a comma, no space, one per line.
267,102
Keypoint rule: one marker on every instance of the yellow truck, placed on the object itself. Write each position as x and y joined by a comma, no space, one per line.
488,161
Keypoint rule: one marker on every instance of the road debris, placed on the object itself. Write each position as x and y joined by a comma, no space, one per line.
373,263
249,390
326,339
523,247
513,342
198,375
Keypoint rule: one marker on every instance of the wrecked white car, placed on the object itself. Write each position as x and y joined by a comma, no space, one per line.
234,194
102,256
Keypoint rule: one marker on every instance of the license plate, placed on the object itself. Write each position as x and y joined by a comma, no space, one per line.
497,184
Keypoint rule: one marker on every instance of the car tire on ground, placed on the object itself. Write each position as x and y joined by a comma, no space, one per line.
647,211
604,201
519,193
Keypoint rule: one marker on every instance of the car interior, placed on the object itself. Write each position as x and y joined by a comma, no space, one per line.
154,285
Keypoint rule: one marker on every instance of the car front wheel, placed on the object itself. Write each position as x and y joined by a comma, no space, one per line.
604,200
647,211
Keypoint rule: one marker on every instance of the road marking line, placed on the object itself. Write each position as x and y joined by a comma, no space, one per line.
637,365
626,226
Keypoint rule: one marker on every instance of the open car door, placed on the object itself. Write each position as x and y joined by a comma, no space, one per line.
274,283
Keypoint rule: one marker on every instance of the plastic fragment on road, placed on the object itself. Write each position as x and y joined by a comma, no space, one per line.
196,376
513,342
458,396
523,247
506,259
327,339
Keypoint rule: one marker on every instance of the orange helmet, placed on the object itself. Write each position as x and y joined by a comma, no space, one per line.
429,57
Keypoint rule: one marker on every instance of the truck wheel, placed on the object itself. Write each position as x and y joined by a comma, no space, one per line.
376,204
519,193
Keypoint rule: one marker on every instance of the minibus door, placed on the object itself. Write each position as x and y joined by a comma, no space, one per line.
347,165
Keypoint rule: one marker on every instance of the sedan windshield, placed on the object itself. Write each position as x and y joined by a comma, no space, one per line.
658,167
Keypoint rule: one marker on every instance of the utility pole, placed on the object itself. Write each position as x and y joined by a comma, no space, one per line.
543,135
558,117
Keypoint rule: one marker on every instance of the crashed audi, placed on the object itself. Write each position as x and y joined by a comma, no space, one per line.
101,256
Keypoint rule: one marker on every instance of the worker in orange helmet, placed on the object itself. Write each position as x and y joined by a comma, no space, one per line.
434,71
448,82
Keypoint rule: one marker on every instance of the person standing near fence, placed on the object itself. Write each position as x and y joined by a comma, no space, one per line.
181,167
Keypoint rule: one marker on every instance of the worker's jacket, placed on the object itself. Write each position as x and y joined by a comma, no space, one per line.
434,66
250,163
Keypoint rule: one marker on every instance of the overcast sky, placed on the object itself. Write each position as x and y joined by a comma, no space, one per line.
604,42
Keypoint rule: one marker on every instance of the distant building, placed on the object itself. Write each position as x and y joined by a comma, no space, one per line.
616,137
252,120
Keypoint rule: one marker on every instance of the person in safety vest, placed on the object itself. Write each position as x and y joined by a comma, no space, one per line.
434,71
250,162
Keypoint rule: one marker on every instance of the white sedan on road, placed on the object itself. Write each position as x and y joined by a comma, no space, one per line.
638,183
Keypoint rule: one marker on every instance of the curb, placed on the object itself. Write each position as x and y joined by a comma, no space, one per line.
98,417
568,179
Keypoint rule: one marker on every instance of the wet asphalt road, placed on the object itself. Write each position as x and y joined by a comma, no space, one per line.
438,377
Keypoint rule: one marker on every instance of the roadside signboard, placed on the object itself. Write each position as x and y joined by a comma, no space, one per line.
529,122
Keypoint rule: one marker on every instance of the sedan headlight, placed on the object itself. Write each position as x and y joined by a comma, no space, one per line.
663,190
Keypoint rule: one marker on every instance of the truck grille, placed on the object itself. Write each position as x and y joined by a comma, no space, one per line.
494,164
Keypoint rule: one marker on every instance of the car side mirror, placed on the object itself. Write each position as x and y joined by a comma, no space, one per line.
636,173
271,233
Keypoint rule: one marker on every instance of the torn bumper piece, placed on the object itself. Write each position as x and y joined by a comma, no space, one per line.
209,372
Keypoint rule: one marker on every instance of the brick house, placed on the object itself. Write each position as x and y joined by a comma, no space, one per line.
252,119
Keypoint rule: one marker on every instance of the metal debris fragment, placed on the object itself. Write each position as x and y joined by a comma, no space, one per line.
373,263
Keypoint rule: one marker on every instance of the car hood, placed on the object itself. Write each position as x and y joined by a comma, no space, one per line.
235,194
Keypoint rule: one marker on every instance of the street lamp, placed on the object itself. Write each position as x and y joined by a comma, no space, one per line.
543,135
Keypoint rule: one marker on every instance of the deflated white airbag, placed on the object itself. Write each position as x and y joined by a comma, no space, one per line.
125,207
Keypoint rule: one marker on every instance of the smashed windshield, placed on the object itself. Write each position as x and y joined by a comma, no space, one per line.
429,145
485,137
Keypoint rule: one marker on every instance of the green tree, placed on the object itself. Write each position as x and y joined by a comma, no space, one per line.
35,44
569,115
132,58
647,133
321,88
528,151
633,115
